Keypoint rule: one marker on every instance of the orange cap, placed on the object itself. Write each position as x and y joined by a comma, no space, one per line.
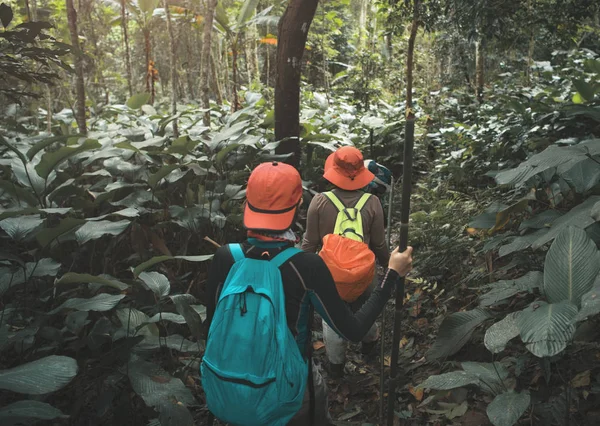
346,169
272,197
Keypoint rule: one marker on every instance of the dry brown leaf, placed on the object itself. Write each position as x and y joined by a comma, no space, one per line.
416,392
318,345
403,342
160,379
581,380
422,322
387,361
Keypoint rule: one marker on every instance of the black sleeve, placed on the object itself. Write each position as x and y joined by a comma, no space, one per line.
217,274
338,315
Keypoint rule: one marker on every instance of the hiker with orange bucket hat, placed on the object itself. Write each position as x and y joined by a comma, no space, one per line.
347,225
261,294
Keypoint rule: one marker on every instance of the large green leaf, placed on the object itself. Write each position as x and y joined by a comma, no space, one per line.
447,381
39,377
46,142
19,194
19,228
590,302
43,268
522,242
508,407
135,322
541,220
174,414
51,160
595,213
97,229
571,266
490,376
68,224
149,263
136,101
155,385
455,332
167,316
504,289
105,280
155,178
579,216
546,329
148,6
183,304
585,89
157,282
499,334
28,412
583,176
246,12
99,303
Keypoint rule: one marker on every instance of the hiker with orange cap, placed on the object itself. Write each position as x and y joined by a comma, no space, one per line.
347,225
261,294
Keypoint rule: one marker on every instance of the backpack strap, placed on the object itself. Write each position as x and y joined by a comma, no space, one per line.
335,200
237,252
362,201
284,256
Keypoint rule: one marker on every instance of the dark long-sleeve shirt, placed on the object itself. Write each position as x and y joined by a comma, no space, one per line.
307,284
321,216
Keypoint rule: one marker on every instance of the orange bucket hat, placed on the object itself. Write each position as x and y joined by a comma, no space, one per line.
345,168
272,196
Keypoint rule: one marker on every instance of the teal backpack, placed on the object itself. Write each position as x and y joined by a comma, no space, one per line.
252,371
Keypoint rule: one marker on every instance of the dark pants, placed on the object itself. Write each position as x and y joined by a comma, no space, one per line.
302,418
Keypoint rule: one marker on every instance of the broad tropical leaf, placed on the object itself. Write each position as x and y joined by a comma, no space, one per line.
541,220
572,264
595,213
157,282
19,194
174,414
99,303
51,160
105,280
27,412
66,225
19,228
155,178
583,176
490,376
590,302
136,101
46,142
39,377
455,331
167,316
504,289
97,229
585,89
546,329
143,266
447,381
579,216
183,304
522,242
135,323
155,385
76,320
508,407
499,334
11,279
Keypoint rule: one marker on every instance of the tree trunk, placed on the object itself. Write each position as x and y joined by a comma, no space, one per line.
79,85
479,69
531,42
205,58
173,60
146,32
215,80
292,34
235,102
126,43
410,54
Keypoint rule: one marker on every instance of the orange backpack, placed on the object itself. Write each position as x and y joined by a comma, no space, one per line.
350,261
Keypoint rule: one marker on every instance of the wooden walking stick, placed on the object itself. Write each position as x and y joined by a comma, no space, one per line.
409,138
388,237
